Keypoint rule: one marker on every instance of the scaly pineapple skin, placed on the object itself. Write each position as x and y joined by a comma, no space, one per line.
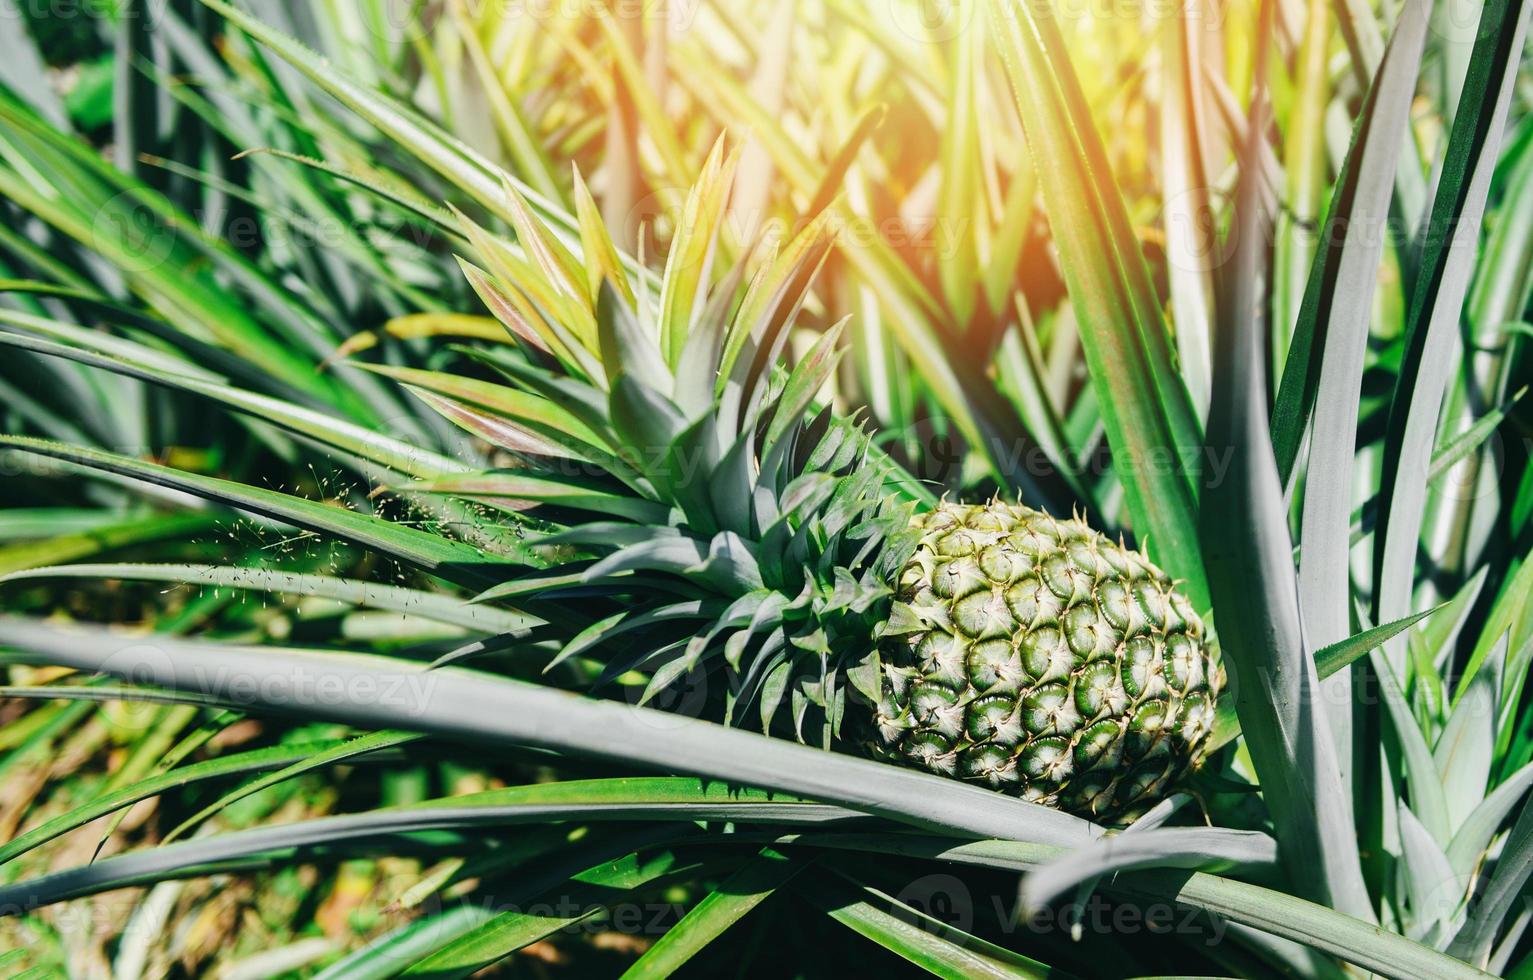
1050,663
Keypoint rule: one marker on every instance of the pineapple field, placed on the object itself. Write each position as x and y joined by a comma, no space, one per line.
585,488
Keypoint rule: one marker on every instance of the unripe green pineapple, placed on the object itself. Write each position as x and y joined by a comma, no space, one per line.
1049,663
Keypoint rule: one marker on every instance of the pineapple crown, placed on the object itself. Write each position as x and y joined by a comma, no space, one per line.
713,515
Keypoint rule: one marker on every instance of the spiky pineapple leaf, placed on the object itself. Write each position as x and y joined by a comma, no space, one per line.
1205,848
583,896
519,489
1243,529
1428,800
125,357
1145,406
909,306
385,956
528,154
375,595
1477,830
1478,934
344,753
461,165
721,908
1332,658
1332,323
236,764
446,557
485,708
1334,310
1430,880
689,262
1447,262
110,535
153,245
927,942
1191,236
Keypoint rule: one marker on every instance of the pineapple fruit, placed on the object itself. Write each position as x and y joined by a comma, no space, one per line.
1047,662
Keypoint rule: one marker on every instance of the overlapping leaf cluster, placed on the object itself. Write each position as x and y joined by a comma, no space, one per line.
727,522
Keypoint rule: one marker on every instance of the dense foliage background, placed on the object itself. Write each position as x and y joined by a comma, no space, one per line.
1247,284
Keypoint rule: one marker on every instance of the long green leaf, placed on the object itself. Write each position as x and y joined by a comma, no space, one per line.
132,361
1326,380
374,595
238,764
1330,659
484,708
1145,406
69,546
452,560
454,160
719,909
384,957
1448,250
1332,328
1478,936
583,896
932,945
1245,539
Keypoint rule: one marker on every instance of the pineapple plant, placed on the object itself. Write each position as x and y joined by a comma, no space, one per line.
668,499
989,643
